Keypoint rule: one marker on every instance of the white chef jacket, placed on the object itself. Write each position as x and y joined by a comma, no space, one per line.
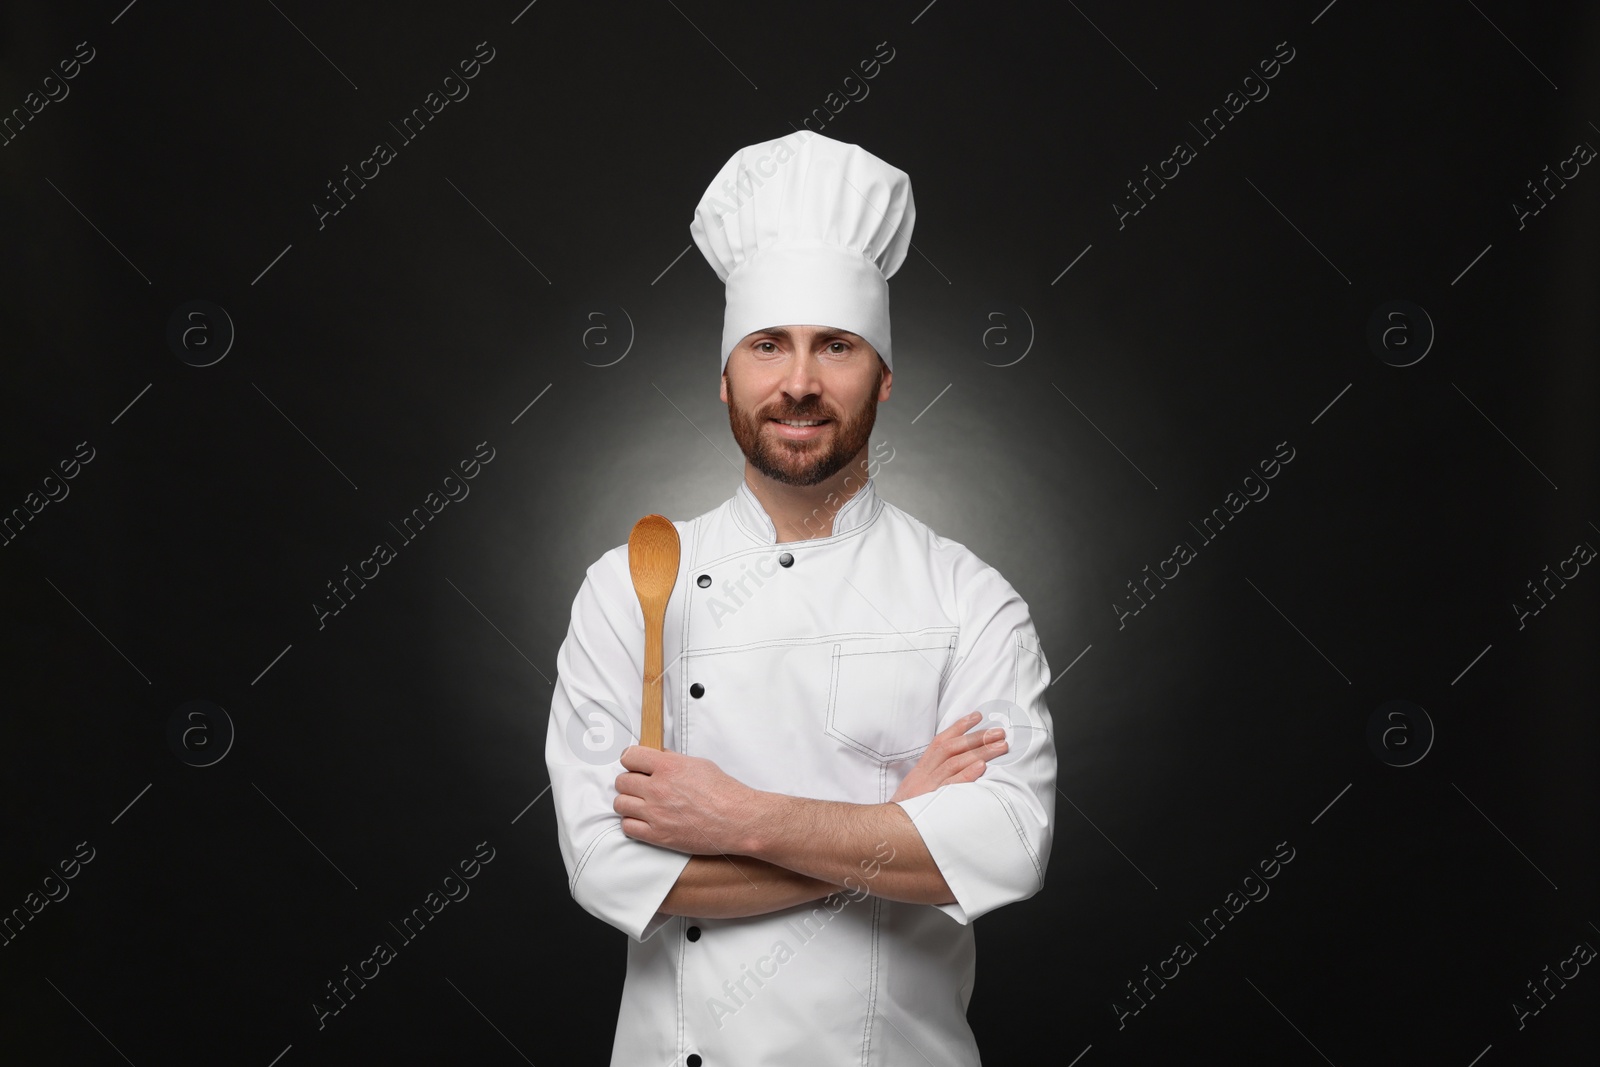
819,668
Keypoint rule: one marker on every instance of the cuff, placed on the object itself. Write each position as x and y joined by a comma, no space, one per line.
979,846
623,882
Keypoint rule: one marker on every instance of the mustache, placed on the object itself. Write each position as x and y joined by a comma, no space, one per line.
798,415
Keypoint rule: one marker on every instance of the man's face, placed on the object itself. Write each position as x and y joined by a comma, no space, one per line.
803,373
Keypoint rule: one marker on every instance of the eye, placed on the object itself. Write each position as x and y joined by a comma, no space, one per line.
838,348
766,347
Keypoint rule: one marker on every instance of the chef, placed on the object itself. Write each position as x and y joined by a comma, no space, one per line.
857,757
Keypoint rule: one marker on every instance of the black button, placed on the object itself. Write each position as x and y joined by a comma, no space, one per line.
697,690
693,1060
694,933
786,560
703,581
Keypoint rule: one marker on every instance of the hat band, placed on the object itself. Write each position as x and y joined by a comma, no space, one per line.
813,284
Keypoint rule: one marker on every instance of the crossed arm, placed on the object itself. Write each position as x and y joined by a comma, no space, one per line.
753,852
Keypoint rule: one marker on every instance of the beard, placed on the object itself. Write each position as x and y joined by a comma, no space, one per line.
803,463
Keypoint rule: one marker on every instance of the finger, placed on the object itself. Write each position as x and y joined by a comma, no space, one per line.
632,783
975,739
638,758
971,772
992,735
954,730
630,807
959,727
958,763
949,738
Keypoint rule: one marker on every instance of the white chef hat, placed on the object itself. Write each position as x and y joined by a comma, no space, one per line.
806,230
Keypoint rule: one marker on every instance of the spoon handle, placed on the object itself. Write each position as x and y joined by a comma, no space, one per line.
650,725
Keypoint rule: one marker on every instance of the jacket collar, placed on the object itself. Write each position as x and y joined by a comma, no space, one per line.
858,511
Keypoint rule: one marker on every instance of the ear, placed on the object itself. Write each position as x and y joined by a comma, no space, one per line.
724,392
885,382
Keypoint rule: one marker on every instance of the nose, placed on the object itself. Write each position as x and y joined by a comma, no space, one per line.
802,380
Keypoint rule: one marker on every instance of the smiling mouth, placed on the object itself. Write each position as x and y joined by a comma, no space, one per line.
799,430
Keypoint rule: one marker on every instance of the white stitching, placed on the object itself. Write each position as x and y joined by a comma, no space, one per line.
577,872
872,983
1016,824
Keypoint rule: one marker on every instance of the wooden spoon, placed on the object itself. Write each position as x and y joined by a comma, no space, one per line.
653,562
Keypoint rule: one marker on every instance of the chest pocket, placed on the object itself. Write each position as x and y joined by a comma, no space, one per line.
883,692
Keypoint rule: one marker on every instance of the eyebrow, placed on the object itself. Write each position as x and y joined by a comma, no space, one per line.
783,331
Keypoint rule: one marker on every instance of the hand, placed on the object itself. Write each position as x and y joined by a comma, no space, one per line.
954,756
682,802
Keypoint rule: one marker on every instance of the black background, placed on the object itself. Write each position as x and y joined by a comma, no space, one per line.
373,354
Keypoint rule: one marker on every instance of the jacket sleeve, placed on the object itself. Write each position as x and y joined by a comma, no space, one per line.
991,837
600,670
